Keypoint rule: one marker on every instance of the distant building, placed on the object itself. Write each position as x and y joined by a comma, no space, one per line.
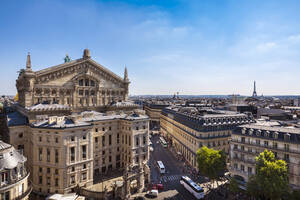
14,182
249,140
189,128
153,110
254,90
274,114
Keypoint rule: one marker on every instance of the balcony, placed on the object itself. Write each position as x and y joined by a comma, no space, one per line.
12,182
245,160
271,147
26,193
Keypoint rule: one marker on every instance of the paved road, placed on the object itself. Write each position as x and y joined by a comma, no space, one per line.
173,173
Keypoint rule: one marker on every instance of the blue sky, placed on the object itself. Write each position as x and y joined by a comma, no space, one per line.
190,47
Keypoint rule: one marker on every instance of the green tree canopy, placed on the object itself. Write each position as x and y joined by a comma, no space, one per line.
271,177
211,163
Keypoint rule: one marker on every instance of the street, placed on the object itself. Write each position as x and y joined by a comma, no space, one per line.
173,167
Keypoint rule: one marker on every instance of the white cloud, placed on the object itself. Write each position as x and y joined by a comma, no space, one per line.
294,37
266,46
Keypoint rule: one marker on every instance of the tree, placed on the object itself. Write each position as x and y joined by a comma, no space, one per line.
233,188
211,163
271,177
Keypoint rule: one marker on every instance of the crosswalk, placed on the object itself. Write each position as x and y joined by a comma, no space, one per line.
170,178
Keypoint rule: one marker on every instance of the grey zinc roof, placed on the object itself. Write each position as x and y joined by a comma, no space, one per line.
42,107
4,145
84,119
16,119
10,157
272,128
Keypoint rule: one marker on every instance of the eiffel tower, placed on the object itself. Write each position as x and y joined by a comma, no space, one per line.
254,91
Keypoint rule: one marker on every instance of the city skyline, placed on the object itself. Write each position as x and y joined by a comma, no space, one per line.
190,47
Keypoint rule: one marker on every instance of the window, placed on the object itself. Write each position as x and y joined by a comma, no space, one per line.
40,138
73,169
109,159
72,138
137,159
144,127
109,140
109,128
41,170
48,155
83,152
103,161
235,146
266,143
20,135
275,145
92,83
249,170
56,156
84,137
286,147
96,139
81,82
84,166
257,142
83,176
48,181
118,158
56,171
286,157
80,92
243,148
243,139
40,154
87,82
56,182
72,179
137,128
92,92
137,141
56,139
144,140
96,129
129,138
103,128
103,140
86,93
118,138
103,152
72,154
242,167
40,180
48,170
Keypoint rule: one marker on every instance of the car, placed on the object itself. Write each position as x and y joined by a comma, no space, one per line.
139,198
159,186
152,193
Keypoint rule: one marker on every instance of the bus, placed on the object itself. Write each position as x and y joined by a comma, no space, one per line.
161,167
192,187
163,142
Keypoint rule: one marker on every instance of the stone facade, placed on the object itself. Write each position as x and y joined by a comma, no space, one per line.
57,125
251,139
81,84
188,129
14,182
